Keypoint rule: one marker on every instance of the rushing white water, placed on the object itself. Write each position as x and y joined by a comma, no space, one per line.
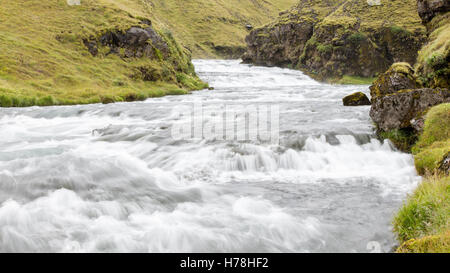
109,178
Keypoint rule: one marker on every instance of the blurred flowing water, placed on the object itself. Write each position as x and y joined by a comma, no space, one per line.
110,178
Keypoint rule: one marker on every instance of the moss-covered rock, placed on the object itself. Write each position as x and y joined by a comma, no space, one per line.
356,99
429,244
332,39
398,77
395,111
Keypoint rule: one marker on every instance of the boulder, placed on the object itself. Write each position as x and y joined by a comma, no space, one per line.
356,99
398,77
428,9
396,111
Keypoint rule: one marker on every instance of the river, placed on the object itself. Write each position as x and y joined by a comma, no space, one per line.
112,178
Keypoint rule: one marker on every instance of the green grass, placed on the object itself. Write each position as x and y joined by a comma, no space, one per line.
429,244
203,25
355,80
431,66
43,60
423,223
403,139
434,143
426,212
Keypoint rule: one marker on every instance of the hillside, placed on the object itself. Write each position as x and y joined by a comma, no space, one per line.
215,28
100,51
340,40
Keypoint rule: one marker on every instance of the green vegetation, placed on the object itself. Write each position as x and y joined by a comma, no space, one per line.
429,244
403,139
423,223
355,80
432,67
357,37
426,212
434,143
43,60
212,28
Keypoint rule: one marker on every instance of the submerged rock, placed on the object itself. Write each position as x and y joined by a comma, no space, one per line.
395,111
356,99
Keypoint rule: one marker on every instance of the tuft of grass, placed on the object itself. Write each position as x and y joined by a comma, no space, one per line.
357,37
426,212
403,139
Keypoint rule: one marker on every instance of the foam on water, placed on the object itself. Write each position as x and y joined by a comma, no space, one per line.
109,178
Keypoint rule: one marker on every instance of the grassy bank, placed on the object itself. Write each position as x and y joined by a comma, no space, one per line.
216,28
44,61
423,223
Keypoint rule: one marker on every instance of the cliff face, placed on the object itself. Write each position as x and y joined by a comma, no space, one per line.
332,39
91,51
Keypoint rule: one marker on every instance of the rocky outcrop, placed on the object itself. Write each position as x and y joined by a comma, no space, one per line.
401,96
433,62
136,42
398,77
396,111
428,9
330,39
281,46
356,99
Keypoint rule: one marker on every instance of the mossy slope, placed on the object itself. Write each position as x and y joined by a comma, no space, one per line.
44,61
423,223
433,62
434,143
215,28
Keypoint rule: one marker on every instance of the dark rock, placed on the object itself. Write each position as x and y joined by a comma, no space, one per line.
136,42
395,111
418,124
399,76
92,47
356,99
428,9
277,46
444,165
210,88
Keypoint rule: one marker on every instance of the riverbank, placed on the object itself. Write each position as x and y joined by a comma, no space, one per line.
423,223
53,53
